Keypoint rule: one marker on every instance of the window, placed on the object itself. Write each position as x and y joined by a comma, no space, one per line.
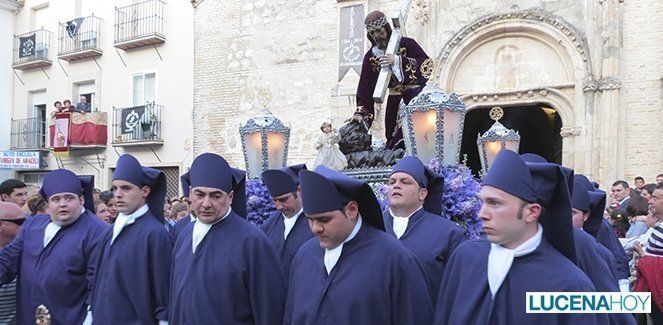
40,17
144,88
88,90
32,179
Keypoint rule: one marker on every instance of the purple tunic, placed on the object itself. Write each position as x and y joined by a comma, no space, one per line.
375,281
412,56
58,276
133,275
232,278
432,239
286,248
465,296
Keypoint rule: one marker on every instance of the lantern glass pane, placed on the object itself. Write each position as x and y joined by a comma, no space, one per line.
425,130
253,153
513,145
275,149
492,148
453,133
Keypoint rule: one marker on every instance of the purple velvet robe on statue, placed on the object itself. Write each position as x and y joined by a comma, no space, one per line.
412,56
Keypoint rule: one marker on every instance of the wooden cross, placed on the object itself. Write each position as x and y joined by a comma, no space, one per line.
398,19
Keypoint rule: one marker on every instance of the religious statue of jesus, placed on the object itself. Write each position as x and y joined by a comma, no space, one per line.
406,78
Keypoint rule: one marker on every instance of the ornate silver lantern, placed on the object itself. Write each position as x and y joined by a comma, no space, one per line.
265,140
433,121
495,139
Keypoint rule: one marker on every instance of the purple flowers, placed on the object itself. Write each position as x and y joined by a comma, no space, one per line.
460,201
259,204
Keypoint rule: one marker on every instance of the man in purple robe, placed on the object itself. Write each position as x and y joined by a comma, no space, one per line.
353,272
132,279
530,247
413,216
287,228
54,254
224,268
406,81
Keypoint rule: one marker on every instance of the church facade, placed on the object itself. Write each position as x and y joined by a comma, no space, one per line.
580,80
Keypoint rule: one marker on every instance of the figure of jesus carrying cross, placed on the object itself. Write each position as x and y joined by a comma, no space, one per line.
393,64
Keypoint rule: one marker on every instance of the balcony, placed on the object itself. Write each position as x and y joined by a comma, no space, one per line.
86,130
139,24
80,38
137,126
28,134
31,50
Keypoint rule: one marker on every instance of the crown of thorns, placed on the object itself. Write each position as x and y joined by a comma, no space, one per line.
376,24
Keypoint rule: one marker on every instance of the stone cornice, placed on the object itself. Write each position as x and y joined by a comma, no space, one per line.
535,16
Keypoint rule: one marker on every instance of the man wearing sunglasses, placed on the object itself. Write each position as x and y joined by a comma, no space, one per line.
52,255
11,219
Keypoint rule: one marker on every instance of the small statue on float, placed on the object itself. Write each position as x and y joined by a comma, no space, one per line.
327,144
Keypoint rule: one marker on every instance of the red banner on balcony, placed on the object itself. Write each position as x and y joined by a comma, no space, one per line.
60,134
86,130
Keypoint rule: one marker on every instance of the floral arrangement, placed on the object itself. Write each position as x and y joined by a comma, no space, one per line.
259,204
460,201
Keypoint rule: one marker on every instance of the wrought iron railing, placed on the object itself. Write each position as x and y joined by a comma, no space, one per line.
137,124
28,133
80,34
31,46
139,20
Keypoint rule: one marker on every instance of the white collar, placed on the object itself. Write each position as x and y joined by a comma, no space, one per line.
623,200
192,218
124,220
289,223
200,230
332,255
400,223
500,259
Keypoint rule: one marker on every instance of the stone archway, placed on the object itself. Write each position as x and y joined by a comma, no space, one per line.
522,58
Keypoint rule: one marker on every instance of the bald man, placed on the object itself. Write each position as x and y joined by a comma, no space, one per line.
11,219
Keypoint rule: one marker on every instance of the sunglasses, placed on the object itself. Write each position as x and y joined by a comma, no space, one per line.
17,222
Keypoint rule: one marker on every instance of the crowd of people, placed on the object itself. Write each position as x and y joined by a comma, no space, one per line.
329,254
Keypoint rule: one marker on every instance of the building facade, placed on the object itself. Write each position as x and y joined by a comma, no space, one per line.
580,80
131,60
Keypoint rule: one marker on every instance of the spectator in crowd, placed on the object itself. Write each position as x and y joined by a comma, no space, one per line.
108,198
15,191
619,222
83,106
101,210
12,218
659,178
58,108
647,190
178,211
620,192
67,106
637,215
639,183
36,204
96,194
166,208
